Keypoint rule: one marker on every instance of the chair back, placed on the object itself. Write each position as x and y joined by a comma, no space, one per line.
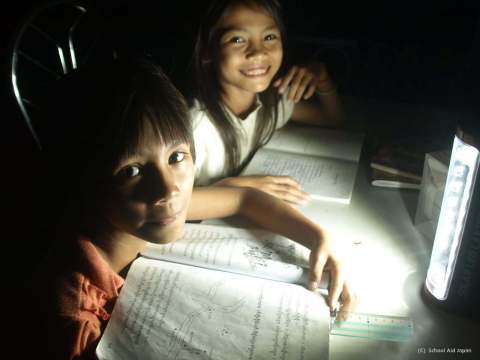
52,41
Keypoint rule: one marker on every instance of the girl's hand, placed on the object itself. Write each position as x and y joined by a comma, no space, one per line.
282,187
322,258
304,81
272,214
349,301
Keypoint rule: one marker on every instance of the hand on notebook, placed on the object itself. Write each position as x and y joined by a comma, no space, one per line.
323,259
282,187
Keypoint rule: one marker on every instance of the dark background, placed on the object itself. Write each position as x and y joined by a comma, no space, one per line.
420,57
420,53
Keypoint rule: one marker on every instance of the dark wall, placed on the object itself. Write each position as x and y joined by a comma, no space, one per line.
421,53
416,47
409,51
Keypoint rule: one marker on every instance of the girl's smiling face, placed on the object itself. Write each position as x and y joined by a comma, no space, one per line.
250,52
152,191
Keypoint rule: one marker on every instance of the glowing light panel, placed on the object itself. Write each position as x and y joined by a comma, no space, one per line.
455,204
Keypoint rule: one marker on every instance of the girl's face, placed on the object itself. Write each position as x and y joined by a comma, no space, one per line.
250,52
152,191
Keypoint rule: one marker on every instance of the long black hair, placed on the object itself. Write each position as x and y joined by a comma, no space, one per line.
207,85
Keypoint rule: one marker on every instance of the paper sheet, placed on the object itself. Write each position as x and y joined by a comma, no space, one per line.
251,252
323,179
172,311
316,141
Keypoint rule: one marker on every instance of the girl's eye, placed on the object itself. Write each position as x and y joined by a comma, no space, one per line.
176,157
237,40
271,37
130,171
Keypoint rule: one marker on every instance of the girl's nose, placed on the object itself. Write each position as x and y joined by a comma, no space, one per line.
256,50
164,188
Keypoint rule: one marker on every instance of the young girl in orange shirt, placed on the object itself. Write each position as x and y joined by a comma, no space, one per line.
120,157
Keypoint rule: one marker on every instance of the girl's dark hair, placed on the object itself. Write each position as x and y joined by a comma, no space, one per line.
207,85
100,114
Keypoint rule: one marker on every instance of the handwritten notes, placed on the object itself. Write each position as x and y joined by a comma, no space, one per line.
172,311
321,178
250,252
324,162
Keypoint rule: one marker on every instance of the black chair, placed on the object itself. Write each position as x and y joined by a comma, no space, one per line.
53,40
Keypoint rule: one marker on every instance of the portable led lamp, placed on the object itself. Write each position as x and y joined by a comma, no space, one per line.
453,277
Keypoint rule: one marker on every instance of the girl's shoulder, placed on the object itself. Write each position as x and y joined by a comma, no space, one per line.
285,109
199,116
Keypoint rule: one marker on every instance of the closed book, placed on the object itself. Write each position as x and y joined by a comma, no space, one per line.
386,179
403,158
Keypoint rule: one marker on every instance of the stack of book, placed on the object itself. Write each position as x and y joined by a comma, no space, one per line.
400,164
393,179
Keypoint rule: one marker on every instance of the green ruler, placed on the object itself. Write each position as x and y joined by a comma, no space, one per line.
370,326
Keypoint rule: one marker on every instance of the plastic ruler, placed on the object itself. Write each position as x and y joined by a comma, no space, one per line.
371,326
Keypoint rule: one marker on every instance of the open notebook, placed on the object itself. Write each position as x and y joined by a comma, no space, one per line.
218,293
323,161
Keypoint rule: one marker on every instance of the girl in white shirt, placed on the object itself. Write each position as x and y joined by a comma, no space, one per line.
241,99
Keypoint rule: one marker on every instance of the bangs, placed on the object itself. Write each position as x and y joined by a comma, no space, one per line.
101,114
153,112
216,13
146,124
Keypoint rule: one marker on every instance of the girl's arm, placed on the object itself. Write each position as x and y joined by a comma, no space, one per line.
283,187
312,82
278,217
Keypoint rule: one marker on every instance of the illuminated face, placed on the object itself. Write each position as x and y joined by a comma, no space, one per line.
152,192
250,50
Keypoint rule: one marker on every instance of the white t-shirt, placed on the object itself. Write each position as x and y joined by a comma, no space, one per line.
209,147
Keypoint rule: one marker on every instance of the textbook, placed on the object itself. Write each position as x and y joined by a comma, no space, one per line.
403,157
219,293
387,179
323,161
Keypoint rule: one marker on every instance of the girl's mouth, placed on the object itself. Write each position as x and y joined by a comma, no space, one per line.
255,71
165,218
